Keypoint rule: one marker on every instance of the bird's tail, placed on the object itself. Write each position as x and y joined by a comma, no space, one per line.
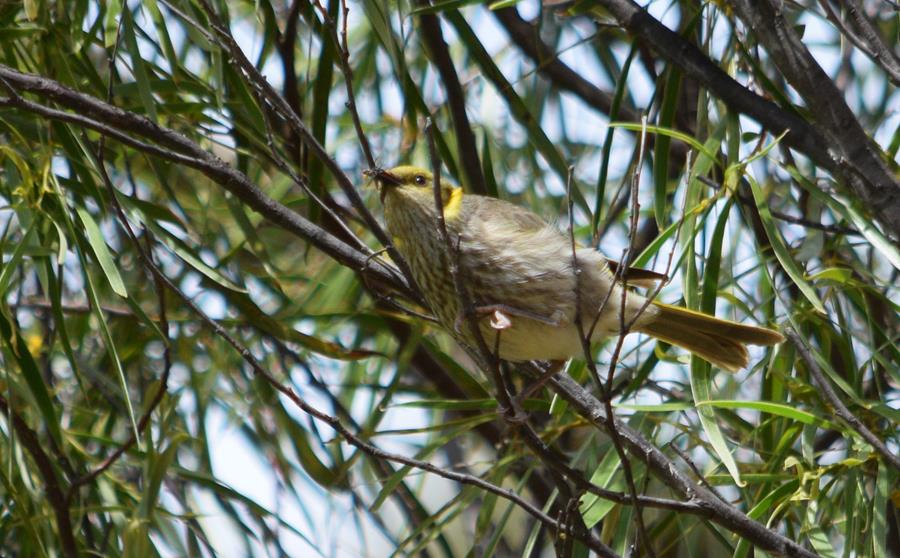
718,341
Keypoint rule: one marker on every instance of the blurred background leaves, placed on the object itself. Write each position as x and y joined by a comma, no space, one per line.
130,426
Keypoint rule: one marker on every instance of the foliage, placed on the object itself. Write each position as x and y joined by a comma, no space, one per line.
205,350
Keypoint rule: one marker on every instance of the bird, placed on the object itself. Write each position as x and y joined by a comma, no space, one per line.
530,289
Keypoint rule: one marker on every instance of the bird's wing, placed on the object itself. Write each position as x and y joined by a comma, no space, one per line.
515,259
636,276
506,215
510,218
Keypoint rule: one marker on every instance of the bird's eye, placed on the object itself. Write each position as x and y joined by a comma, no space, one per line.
420,179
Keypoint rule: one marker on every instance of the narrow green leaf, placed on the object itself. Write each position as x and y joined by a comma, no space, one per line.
818,539
160,23
299,438
621,87
840,275
17,346
138,65
111,22
772,408
661,149
674,134
756,512
657,408
701,380
501,4
10,267
487,167
443,5
452,404
782,254
883,483
101,252
593,508
321,91
868,229
159,468
714,263
63,245
32,8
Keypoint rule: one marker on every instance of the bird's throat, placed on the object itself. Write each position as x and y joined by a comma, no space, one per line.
453,204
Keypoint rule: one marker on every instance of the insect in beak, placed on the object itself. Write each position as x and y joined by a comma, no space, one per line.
383,179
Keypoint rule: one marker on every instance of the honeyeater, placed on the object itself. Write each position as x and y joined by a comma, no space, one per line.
524,283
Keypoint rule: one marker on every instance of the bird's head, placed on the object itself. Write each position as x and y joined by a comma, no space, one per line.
414,185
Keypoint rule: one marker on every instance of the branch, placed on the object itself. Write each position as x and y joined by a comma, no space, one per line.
857,159
430,32
840,409
586,537
869,42
548,64
662,467
870,182
116,123
55,496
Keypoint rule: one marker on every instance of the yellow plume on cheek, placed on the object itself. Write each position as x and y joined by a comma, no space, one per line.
453,203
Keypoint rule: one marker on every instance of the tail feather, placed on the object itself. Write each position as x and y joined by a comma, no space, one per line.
718,341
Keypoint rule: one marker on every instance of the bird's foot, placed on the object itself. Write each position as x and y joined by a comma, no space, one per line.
554,367
513,415
501,316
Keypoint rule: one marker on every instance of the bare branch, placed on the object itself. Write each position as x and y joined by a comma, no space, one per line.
119,124
855,156
855,159
432,36
548,64
55,495
867,40
661,466
840,409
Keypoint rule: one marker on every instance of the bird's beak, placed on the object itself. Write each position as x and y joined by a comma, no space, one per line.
383,179
382,176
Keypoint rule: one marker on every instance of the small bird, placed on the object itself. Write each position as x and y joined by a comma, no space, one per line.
524,283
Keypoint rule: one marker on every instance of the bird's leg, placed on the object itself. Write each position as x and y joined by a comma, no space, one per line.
554,368
500,316
513,414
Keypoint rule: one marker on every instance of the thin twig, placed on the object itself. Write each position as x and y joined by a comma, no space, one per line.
491,360
429,29
102,117
146,260
55,495
748,201
840,409
623,331
223,37
585,537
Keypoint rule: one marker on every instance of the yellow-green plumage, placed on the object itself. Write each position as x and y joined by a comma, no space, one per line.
511,259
